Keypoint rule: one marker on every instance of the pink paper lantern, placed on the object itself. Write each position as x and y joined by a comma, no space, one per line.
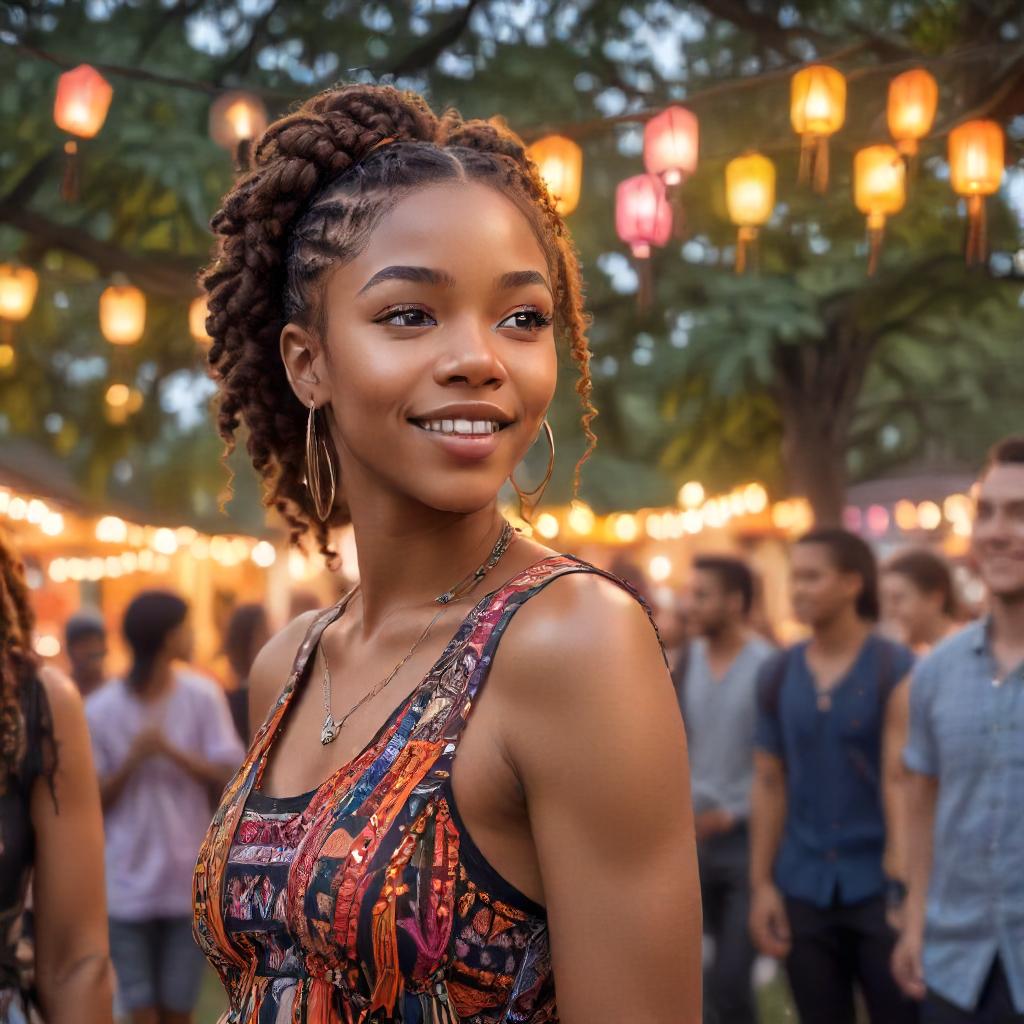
670,145
643,216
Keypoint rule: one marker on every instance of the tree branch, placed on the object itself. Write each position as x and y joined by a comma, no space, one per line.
170,276
425,53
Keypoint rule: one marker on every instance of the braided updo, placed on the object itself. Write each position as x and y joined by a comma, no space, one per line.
322,178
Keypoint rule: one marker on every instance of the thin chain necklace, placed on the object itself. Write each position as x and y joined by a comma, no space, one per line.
331,728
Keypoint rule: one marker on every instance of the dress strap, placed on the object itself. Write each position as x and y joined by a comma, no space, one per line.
495,614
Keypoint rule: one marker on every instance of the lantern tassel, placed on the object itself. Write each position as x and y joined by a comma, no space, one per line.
69,186
821,164
977,231
6,333
242,155
876,232
645,289
747,253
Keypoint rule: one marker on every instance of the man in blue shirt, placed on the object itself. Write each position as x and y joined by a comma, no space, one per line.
962,947
827,775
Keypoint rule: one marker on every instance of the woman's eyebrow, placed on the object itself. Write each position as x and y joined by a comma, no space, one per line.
519,279
419,275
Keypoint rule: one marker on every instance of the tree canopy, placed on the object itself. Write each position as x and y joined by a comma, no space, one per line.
805,375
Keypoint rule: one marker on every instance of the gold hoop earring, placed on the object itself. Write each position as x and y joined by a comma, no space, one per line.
529,500
320,479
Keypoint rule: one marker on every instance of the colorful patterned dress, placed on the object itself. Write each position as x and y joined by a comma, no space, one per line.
366,901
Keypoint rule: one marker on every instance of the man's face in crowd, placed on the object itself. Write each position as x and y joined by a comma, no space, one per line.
998,537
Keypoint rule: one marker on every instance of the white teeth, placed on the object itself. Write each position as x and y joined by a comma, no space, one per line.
469,428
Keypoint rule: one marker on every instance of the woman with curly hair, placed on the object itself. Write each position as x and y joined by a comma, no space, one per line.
51,833
387,302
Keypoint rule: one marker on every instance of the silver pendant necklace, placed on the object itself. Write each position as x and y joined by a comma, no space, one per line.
331,728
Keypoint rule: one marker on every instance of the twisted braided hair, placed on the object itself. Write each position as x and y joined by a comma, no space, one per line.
322,178
16,660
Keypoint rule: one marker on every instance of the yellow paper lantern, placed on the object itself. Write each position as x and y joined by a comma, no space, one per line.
913,97
879,190
976,161
817,110
750,198
236,118
122,314
198,311
560,164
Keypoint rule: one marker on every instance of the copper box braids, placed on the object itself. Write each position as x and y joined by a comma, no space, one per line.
322,177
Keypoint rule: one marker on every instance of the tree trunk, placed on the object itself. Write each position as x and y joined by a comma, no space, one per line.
817,390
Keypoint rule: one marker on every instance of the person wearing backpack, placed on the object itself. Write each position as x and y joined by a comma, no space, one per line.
826,846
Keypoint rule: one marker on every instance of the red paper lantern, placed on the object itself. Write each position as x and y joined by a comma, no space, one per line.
643,216
83,99
671,143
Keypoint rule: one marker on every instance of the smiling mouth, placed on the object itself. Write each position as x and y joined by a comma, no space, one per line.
460,427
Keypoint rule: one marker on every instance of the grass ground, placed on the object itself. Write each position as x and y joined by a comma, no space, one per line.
773,998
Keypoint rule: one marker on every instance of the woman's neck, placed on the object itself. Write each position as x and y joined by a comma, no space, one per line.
407,557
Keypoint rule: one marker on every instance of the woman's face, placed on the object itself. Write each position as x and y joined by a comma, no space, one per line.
441,359
911,610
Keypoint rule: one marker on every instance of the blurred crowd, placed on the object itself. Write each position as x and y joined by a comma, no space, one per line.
855,795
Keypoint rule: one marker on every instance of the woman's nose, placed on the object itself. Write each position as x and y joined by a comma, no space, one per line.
470,357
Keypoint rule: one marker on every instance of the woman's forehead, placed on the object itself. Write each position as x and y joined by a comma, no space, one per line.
452,226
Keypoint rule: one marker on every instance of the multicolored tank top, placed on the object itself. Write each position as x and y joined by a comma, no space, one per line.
366,901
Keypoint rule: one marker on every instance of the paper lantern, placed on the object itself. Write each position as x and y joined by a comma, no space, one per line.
198,311
122,314
560,164
671,142
750,198
80,108
18,287
817,111
976,160
236,118
83,99
643,216
913,97
879,190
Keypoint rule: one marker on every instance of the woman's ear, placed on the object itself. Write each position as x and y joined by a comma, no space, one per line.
303,356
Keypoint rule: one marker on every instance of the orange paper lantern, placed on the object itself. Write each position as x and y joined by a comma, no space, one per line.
671,142
879,190
122,314
236,118
817,111
750,198
80,108
913,97
83,99
198,311
560,164
976,161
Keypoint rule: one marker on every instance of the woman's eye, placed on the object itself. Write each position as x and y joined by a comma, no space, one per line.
526,320
411,317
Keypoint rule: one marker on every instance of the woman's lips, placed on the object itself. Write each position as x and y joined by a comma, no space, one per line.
465,447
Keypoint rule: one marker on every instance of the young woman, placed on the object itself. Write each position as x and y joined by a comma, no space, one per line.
163,740
919,598
51,832
386,304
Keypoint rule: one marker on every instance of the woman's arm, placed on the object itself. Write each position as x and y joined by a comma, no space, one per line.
73,971
598,744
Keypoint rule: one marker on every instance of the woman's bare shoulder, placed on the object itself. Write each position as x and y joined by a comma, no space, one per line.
274,663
